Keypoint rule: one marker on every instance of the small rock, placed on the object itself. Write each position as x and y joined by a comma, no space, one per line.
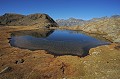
19,61
96,73
95,53
99,61
6,69
111,49
8,38
117,47
1,54
117,40
84,61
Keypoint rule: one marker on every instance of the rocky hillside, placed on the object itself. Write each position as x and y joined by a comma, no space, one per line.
10,19
108,26
70,22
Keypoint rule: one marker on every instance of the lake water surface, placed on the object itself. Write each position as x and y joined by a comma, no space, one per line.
57,42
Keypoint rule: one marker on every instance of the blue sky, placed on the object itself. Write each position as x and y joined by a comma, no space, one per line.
62,9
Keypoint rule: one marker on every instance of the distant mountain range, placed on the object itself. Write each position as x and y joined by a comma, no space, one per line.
70,22
80,22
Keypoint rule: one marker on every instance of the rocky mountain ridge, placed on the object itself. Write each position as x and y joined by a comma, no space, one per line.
11,19
81,22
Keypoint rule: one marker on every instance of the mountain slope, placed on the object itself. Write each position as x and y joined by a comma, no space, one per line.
109,26
10,19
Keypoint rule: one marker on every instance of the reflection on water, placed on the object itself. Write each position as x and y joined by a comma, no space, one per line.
58,42
42,33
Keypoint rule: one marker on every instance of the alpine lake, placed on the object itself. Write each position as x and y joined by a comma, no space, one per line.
57,42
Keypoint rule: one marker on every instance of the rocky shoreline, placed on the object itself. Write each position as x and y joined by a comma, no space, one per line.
113,37
102,61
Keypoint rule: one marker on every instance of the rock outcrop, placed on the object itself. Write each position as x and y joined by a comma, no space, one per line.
9,19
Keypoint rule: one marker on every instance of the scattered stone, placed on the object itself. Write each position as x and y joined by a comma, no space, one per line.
1,54
117,47
117,40
6,69
8,38
63,68
94,53
19,61
84,61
